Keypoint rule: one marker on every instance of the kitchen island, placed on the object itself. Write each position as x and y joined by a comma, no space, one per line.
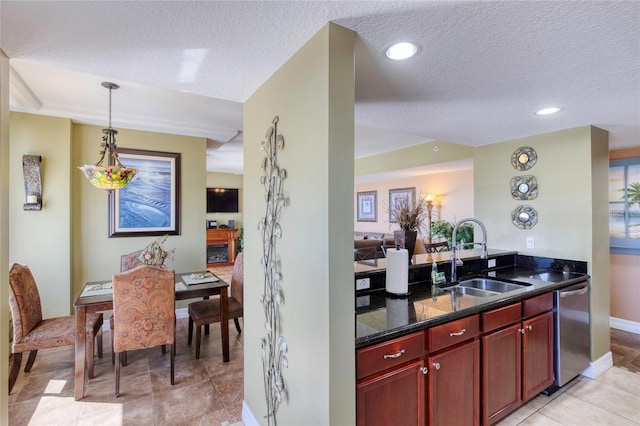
438,356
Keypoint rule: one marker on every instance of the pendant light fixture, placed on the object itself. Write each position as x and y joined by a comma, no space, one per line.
114,175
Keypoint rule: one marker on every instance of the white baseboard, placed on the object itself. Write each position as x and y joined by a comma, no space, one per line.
182,313
247,415
624,325
599,366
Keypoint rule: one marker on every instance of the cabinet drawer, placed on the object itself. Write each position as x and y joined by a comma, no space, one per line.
536,305
453,332
388,354
497,318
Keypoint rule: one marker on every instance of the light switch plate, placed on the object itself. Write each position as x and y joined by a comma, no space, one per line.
530,243
363,284
491,263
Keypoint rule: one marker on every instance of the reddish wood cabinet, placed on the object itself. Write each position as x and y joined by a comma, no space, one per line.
454,386
471,371
517,355
390,386
392,398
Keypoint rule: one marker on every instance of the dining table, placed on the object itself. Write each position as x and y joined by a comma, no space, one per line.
97,296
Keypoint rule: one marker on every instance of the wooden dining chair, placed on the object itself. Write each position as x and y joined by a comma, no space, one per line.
436,247
144,312
31,332
127,262
207,311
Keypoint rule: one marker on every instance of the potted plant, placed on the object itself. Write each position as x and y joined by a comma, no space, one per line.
444,230
411,218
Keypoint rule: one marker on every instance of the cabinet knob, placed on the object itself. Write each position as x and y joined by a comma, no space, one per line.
436,365
529,327
424,370
396,355
458,333
521,330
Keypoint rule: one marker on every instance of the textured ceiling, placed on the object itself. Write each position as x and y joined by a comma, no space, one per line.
186,66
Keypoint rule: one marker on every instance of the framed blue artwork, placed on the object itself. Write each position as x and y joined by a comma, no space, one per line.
150,204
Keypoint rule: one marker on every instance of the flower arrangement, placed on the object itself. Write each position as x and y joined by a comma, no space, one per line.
410,216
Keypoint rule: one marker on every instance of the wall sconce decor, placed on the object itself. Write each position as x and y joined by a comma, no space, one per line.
114,175
32,182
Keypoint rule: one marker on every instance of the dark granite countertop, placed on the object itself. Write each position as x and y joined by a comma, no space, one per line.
381,316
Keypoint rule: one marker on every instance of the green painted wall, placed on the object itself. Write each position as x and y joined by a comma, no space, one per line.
70,235
40,239
571,170
226,180
434,152
313,94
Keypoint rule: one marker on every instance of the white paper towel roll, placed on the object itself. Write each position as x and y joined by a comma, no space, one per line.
397,280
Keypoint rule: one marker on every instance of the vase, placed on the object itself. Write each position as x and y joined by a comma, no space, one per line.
406,240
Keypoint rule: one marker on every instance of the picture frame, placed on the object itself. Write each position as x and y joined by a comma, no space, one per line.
150,204
397,195
367,207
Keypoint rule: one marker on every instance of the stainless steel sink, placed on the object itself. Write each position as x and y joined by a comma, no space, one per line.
488,284
553,276
472,291
484,287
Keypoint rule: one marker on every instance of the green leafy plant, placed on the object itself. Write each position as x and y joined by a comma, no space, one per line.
441,229
633,193
240,244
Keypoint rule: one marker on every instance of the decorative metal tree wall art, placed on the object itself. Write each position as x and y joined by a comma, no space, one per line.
274,345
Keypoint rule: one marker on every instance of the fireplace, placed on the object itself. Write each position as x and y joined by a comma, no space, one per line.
217,253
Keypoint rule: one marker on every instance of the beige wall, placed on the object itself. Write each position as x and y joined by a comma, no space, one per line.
571,173
226,180
40,239
313,94
625,270
4,231
625,291
454,191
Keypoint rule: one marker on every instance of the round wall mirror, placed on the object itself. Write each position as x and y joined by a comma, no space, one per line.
524,217
523,158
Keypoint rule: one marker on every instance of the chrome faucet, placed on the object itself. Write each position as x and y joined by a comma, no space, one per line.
455,262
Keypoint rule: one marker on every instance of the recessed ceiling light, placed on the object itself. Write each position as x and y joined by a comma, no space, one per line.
547,111
402,50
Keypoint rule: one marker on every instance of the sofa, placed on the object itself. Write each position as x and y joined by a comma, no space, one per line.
368,245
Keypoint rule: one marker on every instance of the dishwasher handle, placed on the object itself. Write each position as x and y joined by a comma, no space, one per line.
575,292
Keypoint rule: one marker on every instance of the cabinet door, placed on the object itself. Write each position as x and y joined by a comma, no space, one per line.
454,386
537,355
392,398
501,373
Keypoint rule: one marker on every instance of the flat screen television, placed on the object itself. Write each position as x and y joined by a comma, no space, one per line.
222,200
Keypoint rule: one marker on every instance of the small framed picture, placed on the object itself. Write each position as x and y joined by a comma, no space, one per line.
397,196
368,206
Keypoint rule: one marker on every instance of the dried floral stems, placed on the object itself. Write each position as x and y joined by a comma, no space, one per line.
274,346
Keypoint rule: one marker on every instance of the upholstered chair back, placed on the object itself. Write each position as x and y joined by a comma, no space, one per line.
130,261
237,279
24,301
144,308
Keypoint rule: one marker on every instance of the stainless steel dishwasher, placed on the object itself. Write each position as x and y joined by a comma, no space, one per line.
572,339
